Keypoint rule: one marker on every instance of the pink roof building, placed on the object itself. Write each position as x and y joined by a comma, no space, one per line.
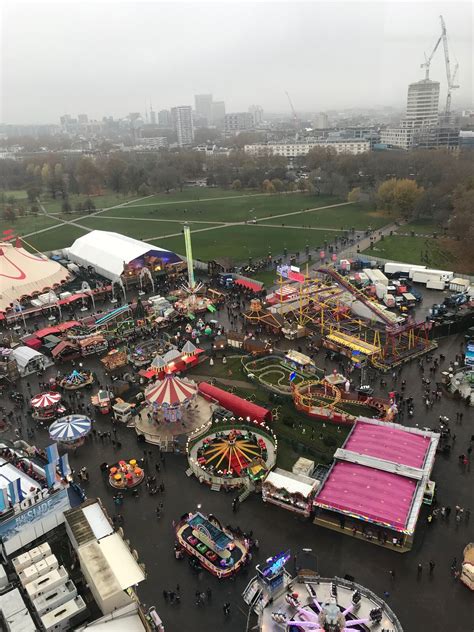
380,474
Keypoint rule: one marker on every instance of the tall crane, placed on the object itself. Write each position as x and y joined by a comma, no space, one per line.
451,77
295,117
427,63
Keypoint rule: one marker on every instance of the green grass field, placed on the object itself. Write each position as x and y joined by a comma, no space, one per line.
198,193
342,217
241,242
109,198
234,209
56,238
28,224
139,229
413,250
422,227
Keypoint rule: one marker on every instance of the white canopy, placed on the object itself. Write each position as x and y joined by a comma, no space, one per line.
23,273
23,355
107,252
292,483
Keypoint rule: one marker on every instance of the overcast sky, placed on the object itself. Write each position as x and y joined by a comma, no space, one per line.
113,57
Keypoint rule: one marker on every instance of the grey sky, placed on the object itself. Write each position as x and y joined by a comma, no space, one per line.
112,57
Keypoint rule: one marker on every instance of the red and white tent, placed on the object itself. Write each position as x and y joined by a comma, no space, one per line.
46,400
171,392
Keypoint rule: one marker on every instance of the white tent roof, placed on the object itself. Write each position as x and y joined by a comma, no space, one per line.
23,355
22,273
281,479
107,252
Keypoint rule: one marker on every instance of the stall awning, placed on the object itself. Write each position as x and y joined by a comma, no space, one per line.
250,285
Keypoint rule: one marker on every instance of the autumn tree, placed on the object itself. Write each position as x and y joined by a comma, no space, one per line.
354,195
237,185
88,175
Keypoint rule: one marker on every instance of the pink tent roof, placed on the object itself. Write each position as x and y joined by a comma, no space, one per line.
45,400
368,493
390,444
171,391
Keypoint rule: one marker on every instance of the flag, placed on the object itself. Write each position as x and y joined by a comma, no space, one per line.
64,466
4,502
50,471
14,489
52,453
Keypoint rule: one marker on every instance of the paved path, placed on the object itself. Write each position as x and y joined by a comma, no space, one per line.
364,243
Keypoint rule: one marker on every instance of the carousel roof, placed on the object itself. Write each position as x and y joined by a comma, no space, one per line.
189,348
45,400
70,428
171,355
171,391
158,362
24,273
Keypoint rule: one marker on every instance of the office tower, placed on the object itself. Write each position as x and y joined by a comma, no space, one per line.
257,113
182,117
238,122
203,107
218,113
164,118
321,121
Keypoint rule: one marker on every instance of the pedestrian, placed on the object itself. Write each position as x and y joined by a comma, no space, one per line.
209,594
392,574
165,595
420,569
432,566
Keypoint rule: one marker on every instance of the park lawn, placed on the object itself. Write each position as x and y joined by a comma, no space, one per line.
137,228
236,209
18,194
421,227
27,224
109,198
56,238
341,217
414,250
198,193
238,243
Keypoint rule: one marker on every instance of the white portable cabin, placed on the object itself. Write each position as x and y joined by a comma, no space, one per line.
405,268
423,276
459,285
375,275
59,618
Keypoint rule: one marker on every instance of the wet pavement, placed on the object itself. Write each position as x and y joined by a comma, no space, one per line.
435,603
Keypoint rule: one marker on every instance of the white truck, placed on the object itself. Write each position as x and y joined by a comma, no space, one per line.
392,268
433,279
375,275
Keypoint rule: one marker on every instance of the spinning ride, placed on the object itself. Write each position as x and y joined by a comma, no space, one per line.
216,548
46,406
234,453
126,475
171,396
70,430
76,380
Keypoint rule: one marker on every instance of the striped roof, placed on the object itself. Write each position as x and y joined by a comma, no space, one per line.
171,391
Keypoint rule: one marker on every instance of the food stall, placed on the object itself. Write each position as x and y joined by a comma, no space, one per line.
101,401
114,360
92,345
123,411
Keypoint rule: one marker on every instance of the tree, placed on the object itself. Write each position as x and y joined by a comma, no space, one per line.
268,187
115,171
34,209
45,173
9,214
386,194
66,207
88,175
278,185
400,196
88,205
237,185
33,193
144,189
301,185
164,179
354,195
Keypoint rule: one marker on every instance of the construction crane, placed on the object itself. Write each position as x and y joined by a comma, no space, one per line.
295,117
427,63
451,78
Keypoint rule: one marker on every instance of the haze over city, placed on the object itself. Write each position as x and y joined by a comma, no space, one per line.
110,59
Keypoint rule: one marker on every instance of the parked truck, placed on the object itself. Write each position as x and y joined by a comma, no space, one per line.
394,269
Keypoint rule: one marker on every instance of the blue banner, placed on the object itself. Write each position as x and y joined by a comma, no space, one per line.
4,502
14,489
52,453
64,466
50,472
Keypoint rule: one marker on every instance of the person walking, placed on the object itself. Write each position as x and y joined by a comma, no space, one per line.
419,569
432,567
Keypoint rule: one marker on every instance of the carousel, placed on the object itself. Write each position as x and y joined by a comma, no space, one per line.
71,430
46,406
76,380
126,474
170,397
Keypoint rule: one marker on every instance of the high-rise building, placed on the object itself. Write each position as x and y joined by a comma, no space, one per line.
182,117
422,103
164,118
257,113
203,107
82,119
421,122
238,122
321,121
152,117
218,113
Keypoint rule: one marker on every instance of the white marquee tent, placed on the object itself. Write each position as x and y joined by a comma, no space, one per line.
107,252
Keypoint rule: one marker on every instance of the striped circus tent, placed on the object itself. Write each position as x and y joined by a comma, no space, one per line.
45,400
171,392
70,428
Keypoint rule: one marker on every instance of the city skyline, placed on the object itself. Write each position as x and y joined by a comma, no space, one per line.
365,56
